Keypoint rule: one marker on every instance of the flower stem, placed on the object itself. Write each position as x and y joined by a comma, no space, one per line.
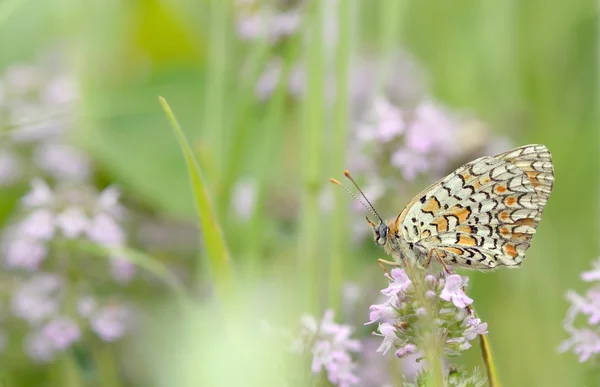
488,360
339,234
312,160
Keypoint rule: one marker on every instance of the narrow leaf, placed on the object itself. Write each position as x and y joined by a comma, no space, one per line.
214,242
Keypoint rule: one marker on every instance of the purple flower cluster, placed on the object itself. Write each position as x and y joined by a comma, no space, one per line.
331,346
417,140
36,116
256,22
68,213
41,301
42,297
584,341
438,299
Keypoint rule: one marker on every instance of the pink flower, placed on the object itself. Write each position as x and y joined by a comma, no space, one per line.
105,231
38,225
111,322
388,331
61,332
73,222
453,291
592,275
408,349
331,345
40,195
400,282
24,253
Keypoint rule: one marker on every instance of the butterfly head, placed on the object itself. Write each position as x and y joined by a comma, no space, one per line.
380,232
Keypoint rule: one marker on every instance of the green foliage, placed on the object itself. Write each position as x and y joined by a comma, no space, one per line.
456,377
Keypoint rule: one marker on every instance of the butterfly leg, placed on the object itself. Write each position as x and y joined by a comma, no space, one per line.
383,263
437,254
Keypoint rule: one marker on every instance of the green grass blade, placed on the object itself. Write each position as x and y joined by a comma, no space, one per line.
218,255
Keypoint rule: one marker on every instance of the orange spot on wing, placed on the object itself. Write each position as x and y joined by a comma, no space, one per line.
454,250
520,237
510,201
441,224
431,205
486,180
476,184
466,229
500,189
465,175
510,250
461,213
526,222
504,231
426,233
467,240
533,178
504,215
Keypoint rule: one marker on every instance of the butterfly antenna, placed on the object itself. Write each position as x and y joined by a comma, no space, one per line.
334,181
373,210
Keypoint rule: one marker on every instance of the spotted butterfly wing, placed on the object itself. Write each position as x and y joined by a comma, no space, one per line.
485,213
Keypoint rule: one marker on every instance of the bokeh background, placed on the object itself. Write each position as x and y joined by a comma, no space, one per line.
276,97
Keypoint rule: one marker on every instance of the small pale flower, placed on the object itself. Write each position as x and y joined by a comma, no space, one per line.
111,322
62,162
105,231
381,312
39,348
122,269
38,225
400,282
585,340
73,222
410,163
453,291
474,327
592,275
40,195
431,129
244,198
388,123
86,305
108,201
38,298
330,345
24,253
408,349
10,168
388,331
61,332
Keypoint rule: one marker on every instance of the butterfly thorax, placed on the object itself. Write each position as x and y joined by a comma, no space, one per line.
399,248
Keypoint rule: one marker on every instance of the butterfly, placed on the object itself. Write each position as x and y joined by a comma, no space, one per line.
481,216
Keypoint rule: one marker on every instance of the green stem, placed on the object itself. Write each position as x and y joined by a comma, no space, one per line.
266,152
339,237
312,160
217,79
432,343
391,20
106,369
488,360
66,373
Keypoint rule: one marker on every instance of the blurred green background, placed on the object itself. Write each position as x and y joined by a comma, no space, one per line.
526,68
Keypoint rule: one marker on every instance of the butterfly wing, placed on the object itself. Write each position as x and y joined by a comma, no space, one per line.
485,213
